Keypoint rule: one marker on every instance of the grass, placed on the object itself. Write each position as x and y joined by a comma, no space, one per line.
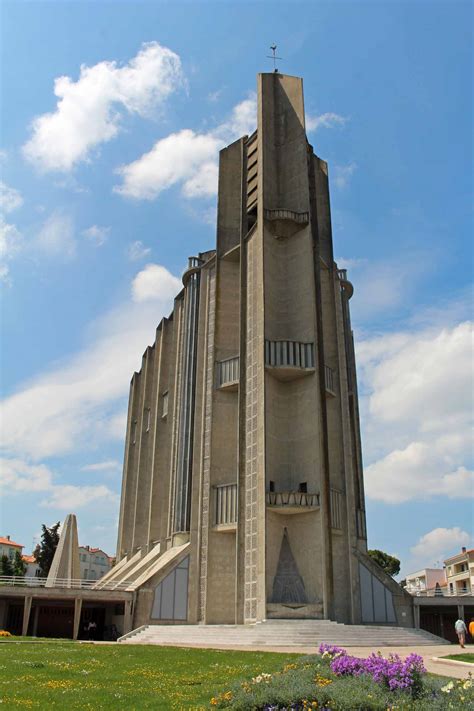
68,675
467,657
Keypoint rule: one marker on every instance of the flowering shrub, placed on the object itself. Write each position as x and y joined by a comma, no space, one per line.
394,673
330,650
337,681
4,633
459,693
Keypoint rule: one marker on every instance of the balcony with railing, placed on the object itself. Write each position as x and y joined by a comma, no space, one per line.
194,265
346,285
292,502
225,507
285,223
228,373
329,381
288,360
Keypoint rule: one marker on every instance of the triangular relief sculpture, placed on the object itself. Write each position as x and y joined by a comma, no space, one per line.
288,585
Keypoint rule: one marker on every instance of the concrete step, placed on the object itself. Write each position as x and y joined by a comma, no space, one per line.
282,633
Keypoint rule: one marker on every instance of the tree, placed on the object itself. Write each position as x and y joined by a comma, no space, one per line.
6,567
388,563
44,551
19,565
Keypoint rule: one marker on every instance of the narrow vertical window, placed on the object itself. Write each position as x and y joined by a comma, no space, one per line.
147,419
164,411
134,432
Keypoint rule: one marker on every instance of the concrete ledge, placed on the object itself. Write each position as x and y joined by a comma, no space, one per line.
443,660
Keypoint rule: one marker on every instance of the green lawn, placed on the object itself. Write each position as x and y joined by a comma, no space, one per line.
68,675
467,657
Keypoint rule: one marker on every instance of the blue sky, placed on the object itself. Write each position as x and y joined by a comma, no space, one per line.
110,184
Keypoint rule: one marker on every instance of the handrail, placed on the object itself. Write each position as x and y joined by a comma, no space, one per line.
291,498
77,584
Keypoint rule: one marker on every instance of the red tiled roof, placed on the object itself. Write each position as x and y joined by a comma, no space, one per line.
29,558
7,542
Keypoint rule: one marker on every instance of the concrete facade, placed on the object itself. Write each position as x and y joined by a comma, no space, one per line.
428,579
243,456
65,564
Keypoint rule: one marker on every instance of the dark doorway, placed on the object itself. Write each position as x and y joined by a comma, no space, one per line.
92,614
439,621
14,619
55,621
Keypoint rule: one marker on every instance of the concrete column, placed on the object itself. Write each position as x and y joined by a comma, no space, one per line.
416,615
127,618
77,616
461,612
26,615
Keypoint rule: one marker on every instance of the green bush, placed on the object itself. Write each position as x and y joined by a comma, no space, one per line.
309,683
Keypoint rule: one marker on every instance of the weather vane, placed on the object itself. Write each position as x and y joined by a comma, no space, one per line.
274,57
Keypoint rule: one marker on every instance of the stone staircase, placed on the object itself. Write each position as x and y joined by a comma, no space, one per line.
281,633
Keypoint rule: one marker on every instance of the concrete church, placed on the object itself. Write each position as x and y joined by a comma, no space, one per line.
243,493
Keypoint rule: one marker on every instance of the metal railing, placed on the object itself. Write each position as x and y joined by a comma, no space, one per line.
76,584
291,498
289,353
329,379
194,262
226,504
433,592
228,371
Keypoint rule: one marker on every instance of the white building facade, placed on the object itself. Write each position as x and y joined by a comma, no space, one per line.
94,563
460,572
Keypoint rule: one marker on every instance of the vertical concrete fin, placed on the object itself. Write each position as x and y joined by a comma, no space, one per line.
65,565
229,202
284,146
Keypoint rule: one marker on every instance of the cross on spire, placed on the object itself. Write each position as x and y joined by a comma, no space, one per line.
273,56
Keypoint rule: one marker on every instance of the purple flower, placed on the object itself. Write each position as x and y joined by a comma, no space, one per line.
330,650
394,673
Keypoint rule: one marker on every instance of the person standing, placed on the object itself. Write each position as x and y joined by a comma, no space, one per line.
471,627
461,630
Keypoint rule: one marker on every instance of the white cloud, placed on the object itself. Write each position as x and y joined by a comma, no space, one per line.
56,237
177,158
137,250
214,96
97,235
435,546
89,111
102,466
10,245
10,199
327,120
154,282
416,411
69,498
186,158
20,477
80,402
342,174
